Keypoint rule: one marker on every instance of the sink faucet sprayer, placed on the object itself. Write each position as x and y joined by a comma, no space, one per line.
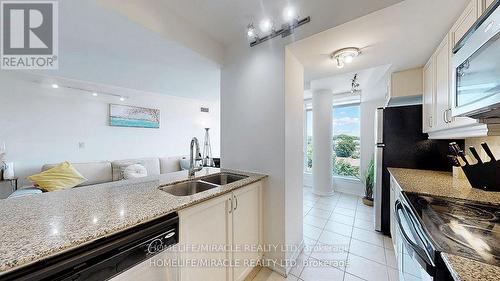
193,159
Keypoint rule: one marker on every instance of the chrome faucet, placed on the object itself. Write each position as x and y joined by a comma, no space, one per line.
193,159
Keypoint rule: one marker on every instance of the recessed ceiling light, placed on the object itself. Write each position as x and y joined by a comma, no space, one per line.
266,25
122,98
94,94
289,14
251,33
55,86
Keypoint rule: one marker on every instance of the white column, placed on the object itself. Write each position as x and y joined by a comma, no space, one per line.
322,142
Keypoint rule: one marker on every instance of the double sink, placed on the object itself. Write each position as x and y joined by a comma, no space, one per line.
196,186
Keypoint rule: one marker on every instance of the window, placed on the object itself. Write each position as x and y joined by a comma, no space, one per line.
346,140
308,161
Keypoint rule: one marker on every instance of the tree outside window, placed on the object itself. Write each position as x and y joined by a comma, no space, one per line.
346,140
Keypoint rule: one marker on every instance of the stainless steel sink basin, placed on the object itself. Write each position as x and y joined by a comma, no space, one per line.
188,188
223,178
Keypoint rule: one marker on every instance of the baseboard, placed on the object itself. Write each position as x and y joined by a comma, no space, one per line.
275,267
295,255
251,275
280,269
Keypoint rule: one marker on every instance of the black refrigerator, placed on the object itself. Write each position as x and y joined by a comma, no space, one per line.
400,143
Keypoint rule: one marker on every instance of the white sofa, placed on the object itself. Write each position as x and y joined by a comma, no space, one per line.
108,171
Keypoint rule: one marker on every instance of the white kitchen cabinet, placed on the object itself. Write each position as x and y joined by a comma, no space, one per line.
206,224
465,21
404,84
439,84
484,5
394,195
231,221
428,96
246,229
442,105
463,24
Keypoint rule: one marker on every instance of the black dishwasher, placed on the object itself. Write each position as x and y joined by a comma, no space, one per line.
106,257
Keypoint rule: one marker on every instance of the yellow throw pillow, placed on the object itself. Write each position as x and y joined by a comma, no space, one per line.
62,176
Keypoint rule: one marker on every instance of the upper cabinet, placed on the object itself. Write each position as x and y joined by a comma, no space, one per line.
442,82
465,21
439,83
483,5
405,87
428,95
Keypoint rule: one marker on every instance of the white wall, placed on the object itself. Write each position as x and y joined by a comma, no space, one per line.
44,125
256,136
252,126
294,118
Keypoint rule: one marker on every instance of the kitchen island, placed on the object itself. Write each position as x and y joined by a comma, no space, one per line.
443,184
38,227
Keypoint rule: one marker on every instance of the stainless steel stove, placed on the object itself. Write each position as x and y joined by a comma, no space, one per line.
460,227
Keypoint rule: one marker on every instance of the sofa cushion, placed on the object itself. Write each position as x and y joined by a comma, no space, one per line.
134,172
152,165
170,164
62,176
95,172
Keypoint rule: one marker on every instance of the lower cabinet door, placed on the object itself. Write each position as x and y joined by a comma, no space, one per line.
205,232
246,229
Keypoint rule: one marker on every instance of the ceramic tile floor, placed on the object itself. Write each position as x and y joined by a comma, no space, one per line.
341,244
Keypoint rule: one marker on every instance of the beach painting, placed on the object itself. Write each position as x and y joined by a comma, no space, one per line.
133,116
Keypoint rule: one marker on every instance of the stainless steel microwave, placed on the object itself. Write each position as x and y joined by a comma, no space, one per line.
476,68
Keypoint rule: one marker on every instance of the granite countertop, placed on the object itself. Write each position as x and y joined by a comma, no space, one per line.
441,184
465,269
445,185
40,226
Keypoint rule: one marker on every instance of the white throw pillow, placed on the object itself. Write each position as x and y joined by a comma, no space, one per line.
134,171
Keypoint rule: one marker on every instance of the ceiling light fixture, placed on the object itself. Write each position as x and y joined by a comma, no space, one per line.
266,26
355,85
345,55
251,33
91,92
290,14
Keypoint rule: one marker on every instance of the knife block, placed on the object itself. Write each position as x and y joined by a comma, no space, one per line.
484,176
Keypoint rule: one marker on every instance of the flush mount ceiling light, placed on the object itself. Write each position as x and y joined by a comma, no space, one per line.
266,26
345,55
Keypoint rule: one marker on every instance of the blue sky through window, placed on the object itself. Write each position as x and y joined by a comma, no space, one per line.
346,120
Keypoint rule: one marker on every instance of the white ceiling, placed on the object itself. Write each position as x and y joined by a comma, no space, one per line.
403,36
102,46
226,20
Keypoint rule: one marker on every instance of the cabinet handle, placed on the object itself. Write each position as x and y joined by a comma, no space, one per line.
236,201
231,202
